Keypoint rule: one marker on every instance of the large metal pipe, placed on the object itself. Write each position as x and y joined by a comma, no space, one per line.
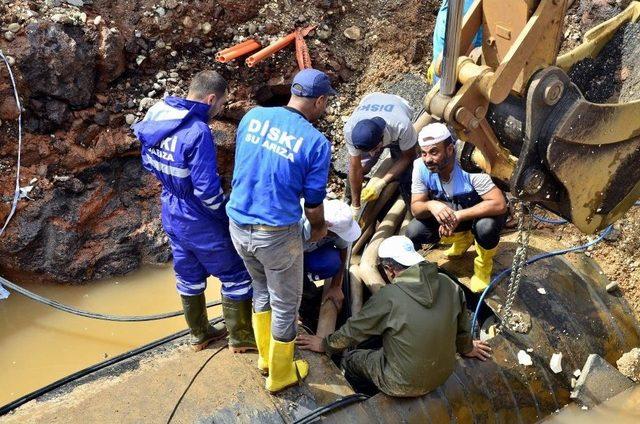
576,317
451,48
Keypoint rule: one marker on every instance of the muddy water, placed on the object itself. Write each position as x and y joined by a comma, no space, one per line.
39,344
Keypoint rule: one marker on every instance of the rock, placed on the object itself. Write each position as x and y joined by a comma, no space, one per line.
524,358
612,286
9,36
598,382
323,34
111,57
151,93
187,22
77,3
252,28
130,119
97,20
11,60
206,28
629,364
60,63
160,44
556,362
146,103
353,33
102,118
14,27
171,4
9,109
56,236
140,59
160,11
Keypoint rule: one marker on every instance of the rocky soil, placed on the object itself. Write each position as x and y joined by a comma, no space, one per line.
87,70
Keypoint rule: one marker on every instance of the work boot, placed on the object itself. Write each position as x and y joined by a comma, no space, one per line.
460,243
237,317
262,331
202,332
283,370
482,267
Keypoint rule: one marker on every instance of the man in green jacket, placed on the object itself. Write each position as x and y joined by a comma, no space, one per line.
422,319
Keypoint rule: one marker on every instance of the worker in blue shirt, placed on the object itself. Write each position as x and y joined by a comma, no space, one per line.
179,149
438,37
280,159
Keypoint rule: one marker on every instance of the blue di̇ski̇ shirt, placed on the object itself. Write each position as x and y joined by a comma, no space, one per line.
280,158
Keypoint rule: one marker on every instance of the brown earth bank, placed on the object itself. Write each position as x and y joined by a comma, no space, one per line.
86,73
87,70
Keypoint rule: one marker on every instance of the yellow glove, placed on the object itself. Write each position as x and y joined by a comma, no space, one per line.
373,189
430,73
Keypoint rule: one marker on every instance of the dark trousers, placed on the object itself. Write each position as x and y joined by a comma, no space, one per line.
485,230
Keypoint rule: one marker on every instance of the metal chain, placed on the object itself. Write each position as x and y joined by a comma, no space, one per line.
519,258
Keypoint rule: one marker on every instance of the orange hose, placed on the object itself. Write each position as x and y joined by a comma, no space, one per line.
270,49
229,53
302,52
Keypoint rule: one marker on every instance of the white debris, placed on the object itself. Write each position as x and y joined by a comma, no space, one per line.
542,291
524,358
530,350
556,362
585,408
577,373
61,178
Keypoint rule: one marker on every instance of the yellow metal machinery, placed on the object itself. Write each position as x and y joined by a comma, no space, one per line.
531,127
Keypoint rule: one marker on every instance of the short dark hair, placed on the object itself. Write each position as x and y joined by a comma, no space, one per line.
207,82
392,263
448,141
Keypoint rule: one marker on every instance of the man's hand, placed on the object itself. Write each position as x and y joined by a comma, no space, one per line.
480,351
444,215
335,295
318,232
445,231
355,210
373,189
310,342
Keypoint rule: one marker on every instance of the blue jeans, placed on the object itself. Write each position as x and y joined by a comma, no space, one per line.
274,260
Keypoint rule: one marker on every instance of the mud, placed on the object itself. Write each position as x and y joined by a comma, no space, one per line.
613,76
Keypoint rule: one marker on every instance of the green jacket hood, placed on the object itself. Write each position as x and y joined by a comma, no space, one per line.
420,282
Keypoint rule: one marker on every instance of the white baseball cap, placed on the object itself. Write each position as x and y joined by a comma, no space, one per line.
340,220
433,134
400,249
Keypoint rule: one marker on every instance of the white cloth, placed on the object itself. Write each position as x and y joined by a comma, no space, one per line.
395,111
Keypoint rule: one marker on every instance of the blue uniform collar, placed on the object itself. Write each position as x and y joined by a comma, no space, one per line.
196,109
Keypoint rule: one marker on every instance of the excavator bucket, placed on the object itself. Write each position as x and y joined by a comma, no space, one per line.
579,158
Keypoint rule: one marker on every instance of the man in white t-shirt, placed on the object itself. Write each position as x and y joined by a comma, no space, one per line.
454,206
380,121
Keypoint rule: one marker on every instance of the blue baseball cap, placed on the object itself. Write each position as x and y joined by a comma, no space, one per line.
368,133
312,83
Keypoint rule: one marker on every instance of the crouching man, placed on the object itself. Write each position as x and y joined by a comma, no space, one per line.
455,206
326,258
179,149
423,322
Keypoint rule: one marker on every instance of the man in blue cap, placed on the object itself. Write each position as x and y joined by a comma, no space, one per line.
280,159
178,148
380,120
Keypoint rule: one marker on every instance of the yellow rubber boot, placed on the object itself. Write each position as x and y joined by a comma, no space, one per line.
482,267
261,322
283,370
460,243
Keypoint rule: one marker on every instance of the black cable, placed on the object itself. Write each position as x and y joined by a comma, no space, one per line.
343,401
175,408
107,317
89,370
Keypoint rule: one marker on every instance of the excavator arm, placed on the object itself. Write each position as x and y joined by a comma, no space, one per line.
525,122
